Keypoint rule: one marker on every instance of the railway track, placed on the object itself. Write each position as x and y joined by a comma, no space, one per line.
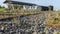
16,14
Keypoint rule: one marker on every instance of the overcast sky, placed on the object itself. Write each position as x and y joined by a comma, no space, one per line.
55,3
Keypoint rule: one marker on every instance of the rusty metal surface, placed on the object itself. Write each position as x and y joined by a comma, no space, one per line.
15,14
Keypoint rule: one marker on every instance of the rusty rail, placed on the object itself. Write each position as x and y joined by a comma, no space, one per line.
15,14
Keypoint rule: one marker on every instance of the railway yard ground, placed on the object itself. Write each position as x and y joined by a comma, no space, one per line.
33,23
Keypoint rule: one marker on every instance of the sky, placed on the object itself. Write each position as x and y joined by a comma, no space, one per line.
55,3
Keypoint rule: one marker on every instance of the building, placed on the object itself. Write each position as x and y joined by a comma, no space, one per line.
27,6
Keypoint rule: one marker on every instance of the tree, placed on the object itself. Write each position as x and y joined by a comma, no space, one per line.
2,9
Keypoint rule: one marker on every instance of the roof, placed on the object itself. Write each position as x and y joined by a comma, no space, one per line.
20,3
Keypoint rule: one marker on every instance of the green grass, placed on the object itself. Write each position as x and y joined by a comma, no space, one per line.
2,10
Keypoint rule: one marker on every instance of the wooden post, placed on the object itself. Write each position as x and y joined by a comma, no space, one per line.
49,8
